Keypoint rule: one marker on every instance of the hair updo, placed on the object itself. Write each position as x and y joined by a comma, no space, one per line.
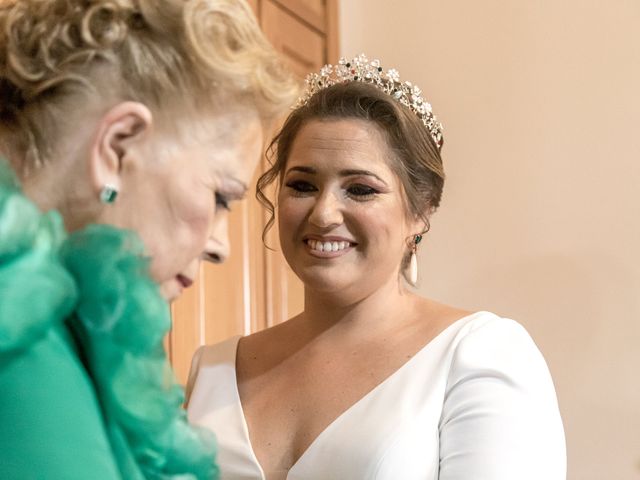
57,54
415,157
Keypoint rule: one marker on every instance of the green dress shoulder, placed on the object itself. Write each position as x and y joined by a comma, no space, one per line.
86,391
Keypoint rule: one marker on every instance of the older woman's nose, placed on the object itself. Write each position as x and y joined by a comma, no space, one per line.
327,211
217,248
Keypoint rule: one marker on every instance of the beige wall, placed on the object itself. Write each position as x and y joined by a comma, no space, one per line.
541,213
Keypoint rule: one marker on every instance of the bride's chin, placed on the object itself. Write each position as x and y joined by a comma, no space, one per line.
324,284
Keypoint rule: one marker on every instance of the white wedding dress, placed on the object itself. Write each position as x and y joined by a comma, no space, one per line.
476,403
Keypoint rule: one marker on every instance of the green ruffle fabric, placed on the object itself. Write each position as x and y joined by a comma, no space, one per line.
34,285
96,281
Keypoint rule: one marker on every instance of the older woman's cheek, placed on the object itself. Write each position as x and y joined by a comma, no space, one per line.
192,211
198,218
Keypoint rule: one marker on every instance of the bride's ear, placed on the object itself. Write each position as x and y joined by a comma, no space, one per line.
119,131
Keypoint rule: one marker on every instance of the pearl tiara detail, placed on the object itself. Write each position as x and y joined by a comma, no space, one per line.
360,69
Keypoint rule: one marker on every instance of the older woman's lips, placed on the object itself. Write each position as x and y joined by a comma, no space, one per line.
184,281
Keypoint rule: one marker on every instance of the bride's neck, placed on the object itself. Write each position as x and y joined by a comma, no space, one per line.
375,309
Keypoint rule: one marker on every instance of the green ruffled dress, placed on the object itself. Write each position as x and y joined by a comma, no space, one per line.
86,391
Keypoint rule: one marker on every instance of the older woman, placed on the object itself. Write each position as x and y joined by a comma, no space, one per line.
371,380
129,126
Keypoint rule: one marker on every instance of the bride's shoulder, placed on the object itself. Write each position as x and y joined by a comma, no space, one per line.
439,315
471,327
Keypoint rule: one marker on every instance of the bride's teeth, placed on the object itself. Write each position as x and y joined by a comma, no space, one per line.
326,246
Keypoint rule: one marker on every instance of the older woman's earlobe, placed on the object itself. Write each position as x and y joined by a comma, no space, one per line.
122,128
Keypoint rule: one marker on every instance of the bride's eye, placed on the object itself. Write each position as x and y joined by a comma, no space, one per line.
361,192
300,187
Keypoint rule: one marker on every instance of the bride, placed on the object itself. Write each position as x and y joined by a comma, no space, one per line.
372,380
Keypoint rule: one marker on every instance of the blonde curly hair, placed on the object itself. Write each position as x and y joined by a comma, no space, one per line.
57,54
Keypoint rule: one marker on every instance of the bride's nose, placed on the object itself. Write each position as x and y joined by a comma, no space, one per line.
327,211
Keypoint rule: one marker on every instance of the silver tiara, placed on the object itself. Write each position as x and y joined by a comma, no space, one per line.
360,69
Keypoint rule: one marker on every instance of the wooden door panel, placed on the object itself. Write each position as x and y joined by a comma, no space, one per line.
302,47
312,12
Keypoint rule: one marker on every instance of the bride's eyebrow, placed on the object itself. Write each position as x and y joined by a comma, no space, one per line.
344,173
309,170
352,172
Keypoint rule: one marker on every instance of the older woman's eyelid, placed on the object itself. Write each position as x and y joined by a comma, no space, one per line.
232,187
236,196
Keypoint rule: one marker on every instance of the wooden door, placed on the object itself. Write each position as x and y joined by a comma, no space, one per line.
255,288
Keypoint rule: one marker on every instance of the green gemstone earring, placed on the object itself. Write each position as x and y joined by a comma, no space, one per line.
108,194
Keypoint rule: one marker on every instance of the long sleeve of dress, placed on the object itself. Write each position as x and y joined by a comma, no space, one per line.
500,419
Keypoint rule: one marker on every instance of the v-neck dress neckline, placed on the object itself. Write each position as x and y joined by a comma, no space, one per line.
326,431
394,430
